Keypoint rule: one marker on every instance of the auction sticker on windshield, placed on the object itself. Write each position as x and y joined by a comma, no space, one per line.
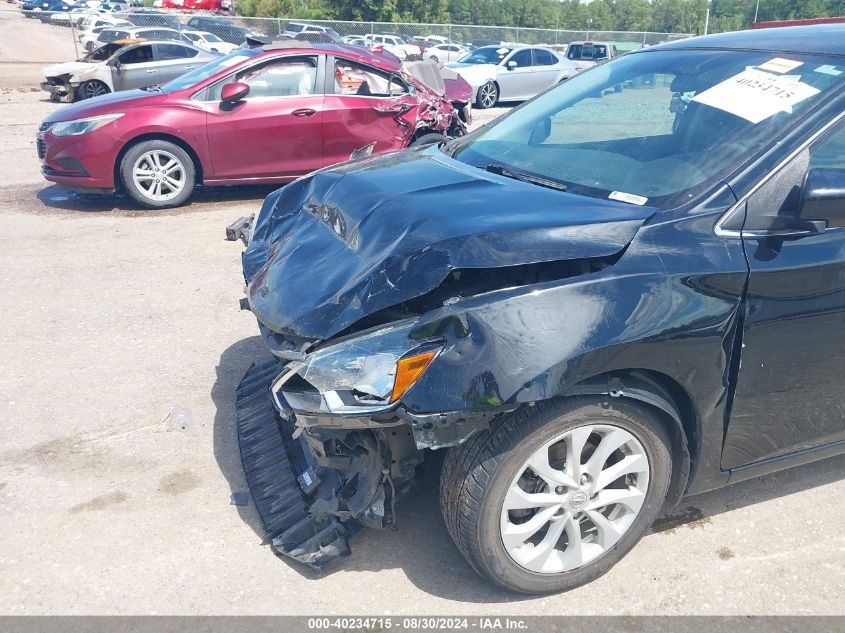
755,95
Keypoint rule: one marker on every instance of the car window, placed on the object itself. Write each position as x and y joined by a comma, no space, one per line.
137,55
358,80
192,37
175,51
522,58
780,195
656,128
282,77
543,57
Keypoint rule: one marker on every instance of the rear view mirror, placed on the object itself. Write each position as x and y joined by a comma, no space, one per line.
823,196
512,64
234,92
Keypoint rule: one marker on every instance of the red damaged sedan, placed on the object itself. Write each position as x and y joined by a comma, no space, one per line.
261,115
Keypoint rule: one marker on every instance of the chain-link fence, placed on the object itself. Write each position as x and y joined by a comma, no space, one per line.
87,27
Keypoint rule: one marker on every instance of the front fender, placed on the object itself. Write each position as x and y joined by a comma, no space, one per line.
668,306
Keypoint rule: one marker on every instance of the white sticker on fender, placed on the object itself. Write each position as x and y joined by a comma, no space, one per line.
755,95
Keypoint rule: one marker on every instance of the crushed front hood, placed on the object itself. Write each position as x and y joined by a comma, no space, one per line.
65,68
343,243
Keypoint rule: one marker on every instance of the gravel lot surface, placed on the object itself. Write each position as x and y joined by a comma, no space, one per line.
122,347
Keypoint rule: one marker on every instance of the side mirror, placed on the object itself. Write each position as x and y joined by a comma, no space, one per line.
512,64
234,92
823,196
116,64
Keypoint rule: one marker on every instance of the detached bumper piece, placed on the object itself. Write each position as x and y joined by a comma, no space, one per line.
277,472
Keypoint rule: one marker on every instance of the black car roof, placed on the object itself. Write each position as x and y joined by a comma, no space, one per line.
821,39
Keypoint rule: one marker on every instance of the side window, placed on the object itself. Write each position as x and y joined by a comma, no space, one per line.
522,58
355,79
780,196
284,77
600,51
544,57
175,51
829,151
137,55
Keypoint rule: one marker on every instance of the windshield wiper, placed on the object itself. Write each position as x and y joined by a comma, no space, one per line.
509,172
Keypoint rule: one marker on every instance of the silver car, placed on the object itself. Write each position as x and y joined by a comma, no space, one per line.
122,65
512,73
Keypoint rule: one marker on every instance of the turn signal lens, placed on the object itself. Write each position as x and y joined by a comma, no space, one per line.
408,370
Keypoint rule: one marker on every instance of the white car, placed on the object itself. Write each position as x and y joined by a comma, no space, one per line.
512,73
113,34
209,42
113,7
66,18
445,53
395,44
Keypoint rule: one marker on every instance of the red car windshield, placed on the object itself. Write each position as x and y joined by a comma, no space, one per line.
210,69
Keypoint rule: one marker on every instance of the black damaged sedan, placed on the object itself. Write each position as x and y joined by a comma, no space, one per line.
628,290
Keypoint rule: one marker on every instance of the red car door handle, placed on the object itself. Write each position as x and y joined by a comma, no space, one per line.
304,112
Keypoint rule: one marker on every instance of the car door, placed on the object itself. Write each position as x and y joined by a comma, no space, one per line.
363,105
276,131
546,69
516,82
174,60
137,68
789,394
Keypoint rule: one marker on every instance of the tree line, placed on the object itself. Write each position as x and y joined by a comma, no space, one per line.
664,16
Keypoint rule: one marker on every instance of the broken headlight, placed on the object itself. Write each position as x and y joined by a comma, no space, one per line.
360,375
79,127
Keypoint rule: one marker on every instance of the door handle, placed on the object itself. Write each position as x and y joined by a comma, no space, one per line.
151,70
304,112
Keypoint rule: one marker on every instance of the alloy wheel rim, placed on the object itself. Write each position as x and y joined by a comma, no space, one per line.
488,95
574,498
94,90
159,175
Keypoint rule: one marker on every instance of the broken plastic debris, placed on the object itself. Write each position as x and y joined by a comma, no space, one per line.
240,498
180,419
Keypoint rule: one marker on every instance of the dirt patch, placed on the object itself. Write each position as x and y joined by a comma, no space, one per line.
179,482
691,517
725,553
100,503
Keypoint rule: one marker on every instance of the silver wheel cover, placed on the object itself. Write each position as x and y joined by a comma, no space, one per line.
574,498
159,175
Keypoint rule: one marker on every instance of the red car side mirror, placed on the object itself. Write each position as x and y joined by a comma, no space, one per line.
234,92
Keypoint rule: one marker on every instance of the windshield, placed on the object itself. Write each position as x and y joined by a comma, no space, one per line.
211,37
102,53
657,127
486,55
211,68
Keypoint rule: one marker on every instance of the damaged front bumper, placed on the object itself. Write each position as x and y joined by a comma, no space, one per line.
57,89
315,479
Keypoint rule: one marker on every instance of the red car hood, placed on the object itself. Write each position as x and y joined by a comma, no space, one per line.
106,104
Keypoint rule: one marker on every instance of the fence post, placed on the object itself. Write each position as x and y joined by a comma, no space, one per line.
372,31
644,36
517,35
73,36
450,33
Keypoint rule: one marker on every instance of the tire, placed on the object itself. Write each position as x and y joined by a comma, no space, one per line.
427,139
144,160
91,89
478,477
487,96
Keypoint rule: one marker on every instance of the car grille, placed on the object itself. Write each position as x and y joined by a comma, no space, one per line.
40,145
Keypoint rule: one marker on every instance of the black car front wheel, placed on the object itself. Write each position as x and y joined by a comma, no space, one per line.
554,495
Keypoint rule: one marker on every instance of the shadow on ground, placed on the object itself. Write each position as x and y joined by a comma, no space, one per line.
55,198
421,547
